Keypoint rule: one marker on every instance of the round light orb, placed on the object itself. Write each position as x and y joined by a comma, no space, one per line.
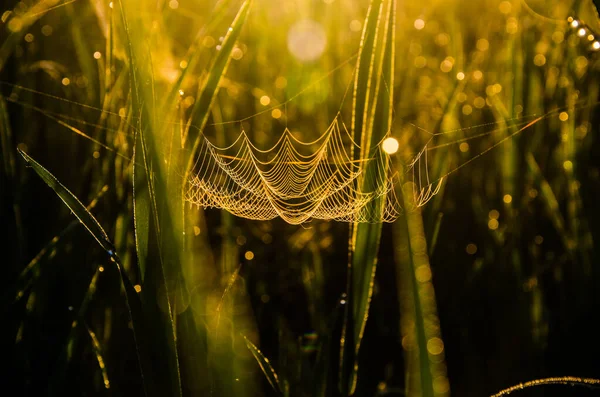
306,40
390,145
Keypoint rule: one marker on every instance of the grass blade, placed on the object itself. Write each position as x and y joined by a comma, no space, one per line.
550,202
97,348
210,88
149,176
371,121
425,367
92,225
32,271
78,209
265,366
158,206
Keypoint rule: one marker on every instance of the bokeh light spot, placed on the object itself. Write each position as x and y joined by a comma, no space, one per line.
493,224
505,7
471,249
435,346
419,24
47,30
483,45
306,40
390,145
355,25
237,53
539,60
265,100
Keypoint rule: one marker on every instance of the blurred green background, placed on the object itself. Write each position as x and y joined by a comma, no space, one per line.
501,95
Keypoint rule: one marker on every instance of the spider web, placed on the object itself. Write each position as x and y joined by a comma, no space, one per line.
295,180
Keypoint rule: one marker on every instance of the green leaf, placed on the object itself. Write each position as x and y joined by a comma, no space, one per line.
158,253
92,225
265,366
78,209
210,88
97,349
417,302
32,272
371,121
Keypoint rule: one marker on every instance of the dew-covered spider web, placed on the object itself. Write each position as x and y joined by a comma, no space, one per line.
298,181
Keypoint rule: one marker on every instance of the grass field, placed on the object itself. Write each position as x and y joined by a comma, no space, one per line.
115,284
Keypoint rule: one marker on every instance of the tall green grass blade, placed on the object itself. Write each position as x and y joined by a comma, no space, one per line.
32,271
364,76
78,209
92,225
6,146
158,201
436,232
265,366
193,53
210,87
84,53
97,349
371,121
425,367
550,202
10,208
72,342
324,383
158,253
